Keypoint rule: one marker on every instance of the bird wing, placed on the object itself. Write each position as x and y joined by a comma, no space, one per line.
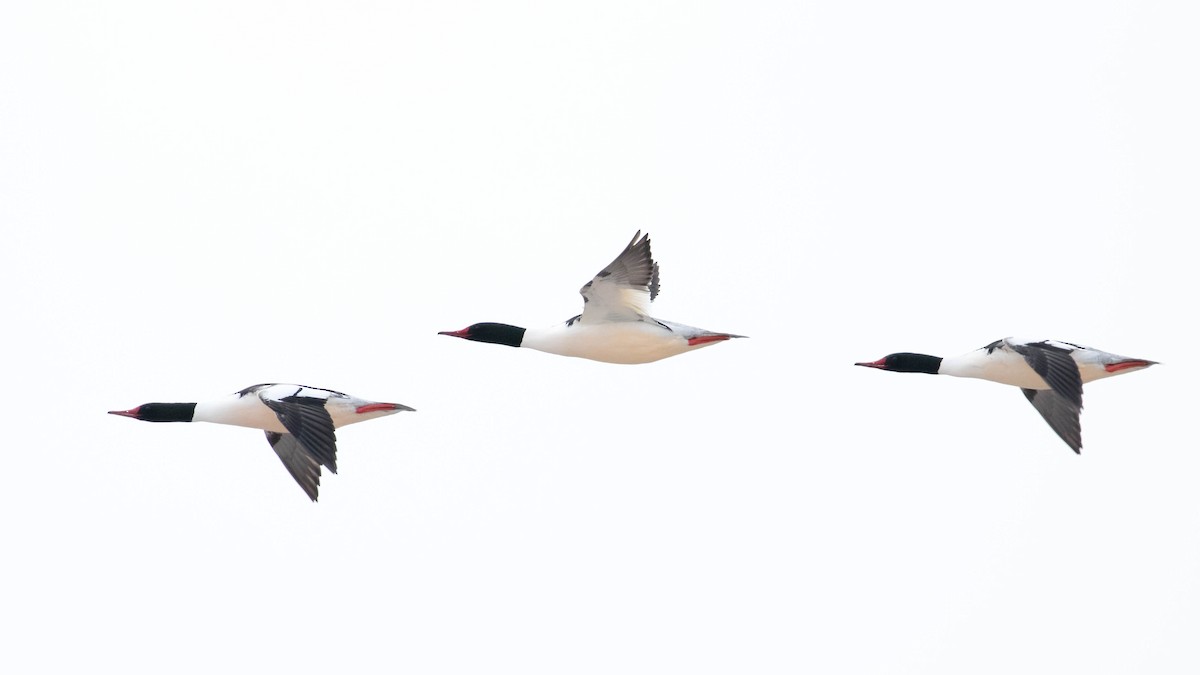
1060,413
624,289
306,418
303,467
1055,365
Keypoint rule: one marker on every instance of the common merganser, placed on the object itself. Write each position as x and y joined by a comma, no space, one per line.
1050,373
299,422
615,326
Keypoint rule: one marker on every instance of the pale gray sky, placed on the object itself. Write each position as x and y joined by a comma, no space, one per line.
197,197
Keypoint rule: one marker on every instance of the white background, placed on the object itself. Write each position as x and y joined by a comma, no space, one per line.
196,197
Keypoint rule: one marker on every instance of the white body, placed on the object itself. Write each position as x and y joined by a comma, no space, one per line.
615,325
1006,366
249,411
625,342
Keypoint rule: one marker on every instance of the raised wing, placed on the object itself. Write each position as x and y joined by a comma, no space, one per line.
624,289
297,461
1056,366
1061,414
307,419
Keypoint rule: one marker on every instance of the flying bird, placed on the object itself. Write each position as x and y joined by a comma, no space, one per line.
615,326
1050,373
299,422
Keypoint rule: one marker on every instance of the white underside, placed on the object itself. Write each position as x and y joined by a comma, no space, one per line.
250,411
1008,367
1004,367
626,342
246,411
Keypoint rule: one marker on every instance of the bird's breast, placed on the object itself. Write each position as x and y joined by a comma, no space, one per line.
625,342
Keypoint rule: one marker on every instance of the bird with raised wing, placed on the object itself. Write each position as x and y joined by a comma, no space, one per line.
615,326
299,422
1050,373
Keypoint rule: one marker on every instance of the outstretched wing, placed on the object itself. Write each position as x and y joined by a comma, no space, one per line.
306,418
1061,414
1056,366
624,289
297,461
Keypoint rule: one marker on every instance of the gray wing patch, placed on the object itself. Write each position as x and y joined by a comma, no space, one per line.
297,461
1061,414
1056,367
307,419
634,268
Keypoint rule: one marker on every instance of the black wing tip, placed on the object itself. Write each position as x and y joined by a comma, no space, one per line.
1074,441
300,464
311,488
1064,422
641,245
311,483
635,267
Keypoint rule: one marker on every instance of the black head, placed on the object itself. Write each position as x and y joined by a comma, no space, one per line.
905,362
496,333
159,412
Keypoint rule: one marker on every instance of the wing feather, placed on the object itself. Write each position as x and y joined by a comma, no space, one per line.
1056,366
1060,413
303,467
306,418
624,289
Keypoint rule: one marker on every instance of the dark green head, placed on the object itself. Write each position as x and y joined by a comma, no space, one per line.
496,333
906,362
